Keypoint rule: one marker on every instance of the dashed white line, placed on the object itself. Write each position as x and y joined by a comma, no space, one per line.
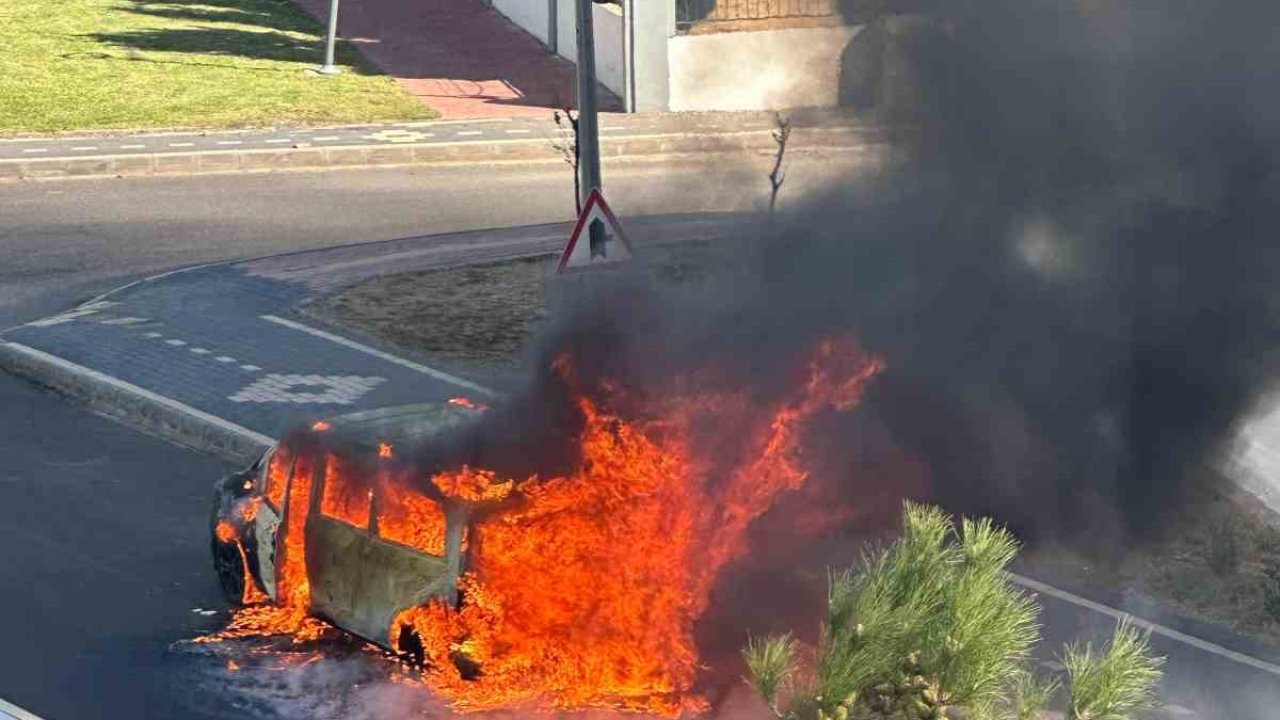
225,359
519,132
277,141
230,142
36,150
250,368
470,132
327,138
182,144
175,342
133,147
83,148
152,335
200,351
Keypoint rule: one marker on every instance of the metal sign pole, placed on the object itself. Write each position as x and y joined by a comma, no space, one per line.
588,127
329,68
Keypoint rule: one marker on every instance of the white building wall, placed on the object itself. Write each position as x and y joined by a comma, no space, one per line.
606,21
762,70
532,15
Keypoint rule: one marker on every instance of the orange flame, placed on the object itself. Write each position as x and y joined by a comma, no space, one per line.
384,450
467,403
320,426
410,518
584,592
473,485
587,595
227,533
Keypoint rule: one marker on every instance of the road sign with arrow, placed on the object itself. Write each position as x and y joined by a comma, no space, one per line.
605,244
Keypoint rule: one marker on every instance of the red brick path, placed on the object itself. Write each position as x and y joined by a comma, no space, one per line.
460,57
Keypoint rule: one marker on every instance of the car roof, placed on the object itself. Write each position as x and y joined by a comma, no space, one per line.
402,424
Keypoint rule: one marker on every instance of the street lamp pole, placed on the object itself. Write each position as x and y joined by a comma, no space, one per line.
329,68
588,125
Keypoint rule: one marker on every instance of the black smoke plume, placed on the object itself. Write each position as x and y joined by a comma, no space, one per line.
1072,268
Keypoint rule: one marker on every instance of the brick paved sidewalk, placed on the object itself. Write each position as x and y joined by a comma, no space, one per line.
460,57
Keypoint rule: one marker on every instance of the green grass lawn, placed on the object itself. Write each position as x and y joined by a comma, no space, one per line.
121,64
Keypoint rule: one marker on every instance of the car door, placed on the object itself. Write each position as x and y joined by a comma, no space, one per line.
337,542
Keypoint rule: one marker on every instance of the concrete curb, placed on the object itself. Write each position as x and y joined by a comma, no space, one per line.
494,151
135,406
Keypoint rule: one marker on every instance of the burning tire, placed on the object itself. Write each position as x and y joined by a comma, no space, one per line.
227,561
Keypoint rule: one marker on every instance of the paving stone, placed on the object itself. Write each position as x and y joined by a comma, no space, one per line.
282,377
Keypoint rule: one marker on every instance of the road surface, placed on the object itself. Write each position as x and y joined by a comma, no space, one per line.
104,528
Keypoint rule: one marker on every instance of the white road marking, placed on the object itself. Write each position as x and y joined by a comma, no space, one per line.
519,131
85,147
130,320
199,351
175,342
153,335
9,710
225,359
337,389
90,308
327,138
36,150
143,393
184,144
470,132
230,142
250,368
1170,633
277,141
417,367
132,147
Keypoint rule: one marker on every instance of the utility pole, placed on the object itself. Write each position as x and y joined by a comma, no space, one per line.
329,68
588,125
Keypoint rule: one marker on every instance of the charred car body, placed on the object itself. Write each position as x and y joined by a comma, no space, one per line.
373,543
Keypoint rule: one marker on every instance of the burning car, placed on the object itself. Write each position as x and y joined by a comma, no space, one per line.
322,514
577,587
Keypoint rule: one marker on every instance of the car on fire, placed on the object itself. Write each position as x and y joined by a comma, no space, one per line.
372,544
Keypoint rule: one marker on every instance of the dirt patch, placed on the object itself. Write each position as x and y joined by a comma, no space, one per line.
1218,561
481,315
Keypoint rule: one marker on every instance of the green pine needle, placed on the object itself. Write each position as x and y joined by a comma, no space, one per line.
1114,684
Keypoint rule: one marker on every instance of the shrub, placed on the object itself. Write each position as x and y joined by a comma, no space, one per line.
931,624
1115,684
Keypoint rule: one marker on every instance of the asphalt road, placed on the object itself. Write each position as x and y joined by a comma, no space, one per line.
103,529
105,546
68,239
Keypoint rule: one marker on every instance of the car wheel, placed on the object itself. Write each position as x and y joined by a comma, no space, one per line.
227,563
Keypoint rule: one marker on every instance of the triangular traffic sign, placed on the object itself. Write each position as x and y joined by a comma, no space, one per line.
605,243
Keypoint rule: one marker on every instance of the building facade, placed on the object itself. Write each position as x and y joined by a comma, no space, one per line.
696,55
